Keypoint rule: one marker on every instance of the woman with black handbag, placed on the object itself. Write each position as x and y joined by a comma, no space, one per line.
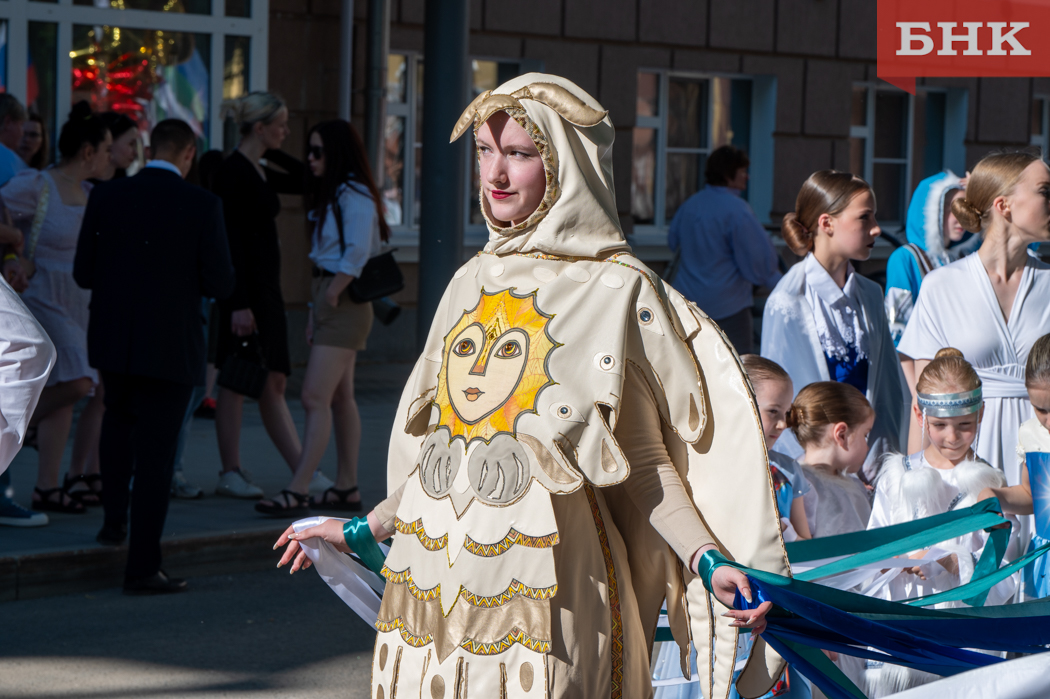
252,349
347,211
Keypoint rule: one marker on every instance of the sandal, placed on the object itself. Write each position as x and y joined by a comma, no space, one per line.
87,495
274,508
342,502
46,504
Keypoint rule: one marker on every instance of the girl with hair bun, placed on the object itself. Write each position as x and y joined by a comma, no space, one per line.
824,322
945,474
993,305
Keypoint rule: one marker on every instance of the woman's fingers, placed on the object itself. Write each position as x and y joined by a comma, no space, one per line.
283,538
298,565
289,553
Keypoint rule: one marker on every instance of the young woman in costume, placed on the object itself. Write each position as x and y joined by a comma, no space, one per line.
547,475
993,305
825,322
1033,441
935,238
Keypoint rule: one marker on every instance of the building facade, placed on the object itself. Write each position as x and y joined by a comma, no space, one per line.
791,81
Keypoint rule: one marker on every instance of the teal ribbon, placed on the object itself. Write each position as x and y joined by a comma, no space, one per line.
709,561
873,545
978,586
359,538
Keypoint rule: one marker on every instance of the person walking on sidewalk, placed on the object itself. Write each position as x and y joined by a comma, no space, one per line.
255,312
347,212
148,271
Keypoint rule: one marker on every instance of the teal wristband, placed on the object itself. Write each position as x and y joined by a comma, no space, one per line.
358,536
708,562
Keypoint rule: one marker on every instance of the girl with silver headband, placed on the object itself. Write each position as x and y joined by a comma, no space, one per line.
944,475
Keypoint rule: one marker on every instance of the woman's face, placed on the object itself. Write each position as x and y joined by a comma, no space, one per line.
315,155
774,402
1028,205
512,176
273,134
853,232
32,139
953,230
124,151
97,159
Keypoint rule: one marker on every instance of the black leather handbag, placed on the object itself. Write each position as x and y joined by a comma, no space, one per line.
380,277
244,371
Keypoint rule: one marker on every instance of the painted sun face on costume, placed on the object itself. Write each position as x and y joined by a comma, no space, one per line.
494,366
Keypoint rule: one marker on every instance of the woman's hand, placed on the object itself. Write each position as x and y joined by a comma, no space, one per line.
242,322
332,299
725,581
330,530
15,275
310,328
9,235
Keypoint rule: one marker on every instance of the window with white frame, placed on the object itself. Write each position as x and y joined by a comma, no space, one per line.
402,171
897,139
149,59
680,118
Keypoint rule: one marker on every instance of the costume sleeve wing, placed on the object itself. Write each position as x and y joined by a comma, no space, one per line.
727,473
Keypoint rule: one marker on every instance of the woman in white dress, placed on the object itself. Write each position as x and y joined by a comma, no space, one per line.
993,305
824,322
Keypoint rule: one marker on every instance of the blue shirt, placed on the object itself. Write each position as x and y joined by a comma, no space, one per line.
10,164
724,252
360,233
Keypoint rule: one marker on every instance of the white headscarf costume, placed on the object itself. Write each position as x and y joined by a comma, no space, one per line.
476,525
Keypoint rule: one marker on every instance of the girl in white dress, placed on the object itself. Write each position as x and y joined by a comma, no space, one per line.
993,305
824,322
945,475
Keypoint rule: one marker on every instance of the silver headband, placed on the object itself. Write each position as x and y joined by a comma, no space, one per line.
950,404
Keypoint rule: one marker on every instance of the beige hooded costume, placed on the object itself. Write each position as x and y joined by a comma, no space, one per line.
564,396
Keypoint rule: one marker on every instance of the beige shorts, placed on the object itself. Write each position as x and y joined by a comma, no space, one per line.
346,326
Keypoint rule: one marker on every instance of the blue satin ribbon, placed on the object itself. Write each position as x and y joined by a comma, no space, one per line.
358,536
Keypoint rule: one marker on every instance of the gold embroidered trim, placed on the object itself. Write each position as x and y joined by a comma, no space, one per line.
616,621
471,646
416,529
513,537
410,639
516,588
497,647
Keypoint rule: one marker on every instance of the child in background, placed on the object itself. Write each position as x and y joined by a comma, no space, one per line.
1033,436
831,422
773,392
943,476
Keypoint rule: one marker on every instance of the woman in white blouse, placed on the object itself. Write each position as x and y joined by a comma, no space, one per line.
824,322
994,305
347,211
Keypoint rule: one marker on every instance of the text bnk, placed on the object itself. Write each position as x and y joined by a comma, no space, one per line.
913,33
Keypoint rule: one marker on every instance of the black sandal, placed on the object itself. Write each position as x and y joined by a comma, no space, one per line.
342,502
274,508
46,504
90,496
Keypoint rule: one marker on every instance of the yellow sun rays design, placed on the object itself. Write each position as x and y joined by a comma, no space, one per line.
497,313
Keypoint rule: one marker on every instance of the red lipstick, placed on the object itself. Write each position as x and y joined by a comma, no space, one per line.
499,194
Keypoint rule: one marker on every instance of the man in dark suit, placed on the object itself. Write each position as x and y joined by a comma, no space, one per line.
150,247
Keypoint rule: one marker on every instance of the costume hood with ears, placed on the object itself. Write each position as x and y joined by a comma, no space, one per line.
577,217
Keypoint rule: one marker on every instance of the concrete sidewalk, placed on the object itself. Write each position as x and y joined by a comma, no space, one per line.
210,536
